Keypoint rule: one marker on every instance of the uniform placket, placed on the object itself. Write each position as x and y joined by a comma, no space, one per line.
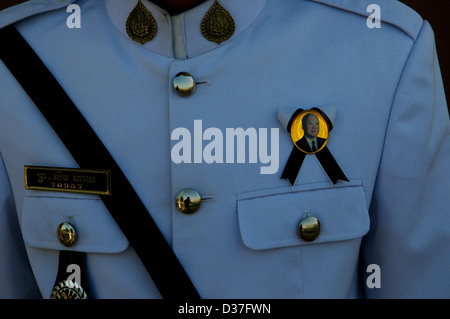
185,102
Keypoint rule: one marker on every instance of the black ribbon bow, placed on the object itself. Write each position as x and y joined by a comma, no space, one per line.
324,156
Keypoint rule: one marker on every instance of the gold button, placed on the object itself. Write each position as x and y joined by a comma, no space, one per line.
188,201
309,228
184,84
67,234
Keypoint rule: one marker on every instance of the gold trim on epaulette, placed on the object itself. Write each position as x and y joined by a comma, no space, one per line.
217,25
141,26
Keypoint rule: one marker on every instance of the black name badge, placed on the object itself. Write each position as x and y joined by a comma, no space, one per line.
75,180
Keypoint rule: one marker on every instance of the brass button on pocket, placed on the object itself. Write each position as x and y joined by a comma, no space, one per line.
188,201
67,234
309,228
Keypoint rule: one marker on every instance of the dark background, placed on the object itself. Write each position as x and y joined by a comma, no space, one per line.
437,12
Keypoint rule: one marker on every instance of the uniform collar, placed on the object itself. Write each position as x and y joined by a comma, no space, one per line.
181,36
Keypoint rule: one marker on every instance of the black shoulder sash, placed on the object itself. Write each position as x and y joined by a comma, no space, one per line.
124,204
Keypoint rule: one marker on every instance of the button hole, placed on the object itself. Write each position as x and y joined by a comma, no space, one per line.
202,82
208,199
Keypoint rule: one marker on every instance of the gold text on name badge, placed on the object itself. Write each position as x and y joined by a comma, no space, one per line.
75,180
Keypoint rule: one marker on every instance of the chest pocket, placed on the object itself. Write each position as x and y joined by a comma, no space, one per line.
97,232
270,218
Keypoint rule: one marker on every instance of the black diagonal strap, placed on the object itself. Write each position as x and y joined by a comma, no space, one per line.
124,204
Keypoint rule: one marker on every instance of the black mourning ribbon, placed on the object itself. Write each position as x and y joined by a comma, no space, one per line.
324,156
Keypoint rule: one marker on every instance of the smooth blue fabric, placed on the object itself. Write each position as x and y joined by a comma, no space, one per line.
390,137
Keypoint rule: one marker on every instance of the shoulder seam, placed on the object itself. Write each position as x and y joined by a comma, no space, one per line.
393,12
24,9
10,3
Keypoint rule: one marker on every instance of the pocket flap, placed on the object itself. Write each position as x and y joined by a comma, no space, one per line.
96,229
270,218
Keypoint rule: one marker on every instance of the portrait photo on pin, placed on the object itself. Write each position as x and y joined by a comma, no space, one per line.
309,131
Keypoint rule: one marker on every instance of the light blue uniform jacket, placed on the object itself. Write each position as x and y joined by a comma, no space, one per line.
390,137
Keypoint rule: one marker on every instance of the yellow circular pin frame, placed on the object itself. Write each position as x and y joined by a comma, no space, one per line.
309,123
